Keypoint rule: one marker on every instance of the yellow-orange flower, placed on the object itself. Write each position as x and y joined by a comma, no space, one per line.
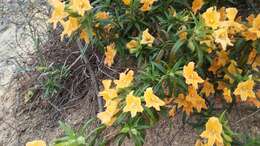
231,13
110,54
125,79
102,15
196,5
132,44
256,26
80,6
84,36
108,93
186,105
127,2
147,38
197,101
71,25
248,35
213,132
245,90
36,143
208,88
183,35
133,104
221,36
199,143
106,118
152,100
58,13
191,76
251,56
211,17
219,61
147,4
227,95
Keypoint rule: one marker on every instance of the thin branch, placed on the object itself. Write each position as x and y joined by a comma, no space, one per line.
93,79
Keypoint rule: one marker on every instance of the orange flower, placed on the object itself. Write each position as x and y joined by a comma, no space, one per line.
197,101
58,13
227,95
183,35
147,4
127,2
256,63
248,35
84,36
213,131
110,54
152,100
250,19
245,90
102,15
133,104
80,6
256,26
125,79
147,38
221,85
108,93
211,17
221,36
221,60
252,56
186,105
71,25
132,44
196,5
191,77
208,88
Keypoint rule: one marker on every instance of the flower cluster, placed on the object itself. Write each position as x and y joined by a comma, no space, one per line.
130,102
191,60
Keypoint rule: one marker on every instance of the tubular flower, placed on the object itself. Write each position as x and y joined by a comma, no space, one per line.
186,105
80,6
221,36
125,79
132,44
197,101
231,13
191,77
36,143
199,143
110,54
227,95
245,90
208,88
133,104
213,132
106,118
221,60
147,38
58,13
211,17
102,15
256,26
70,26
147,4
127,2
252,56
196,5
152,100
108,93
84,36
